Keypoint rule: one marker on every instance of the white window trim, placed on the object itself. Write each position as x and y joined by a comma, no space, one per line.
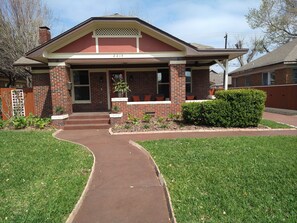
84,85
191,88
162,83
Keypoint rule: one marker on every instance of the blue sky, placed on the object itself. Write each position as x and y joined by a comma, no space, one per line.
199,21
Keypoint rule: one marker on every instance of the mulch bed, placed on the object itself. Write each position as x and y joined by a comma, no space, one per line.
165,125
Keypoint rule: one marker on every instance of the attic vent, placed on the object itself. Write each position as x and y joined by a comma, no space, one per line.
112,32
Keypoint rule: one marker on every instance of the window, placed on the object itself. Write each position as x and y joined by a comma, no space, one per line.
81,86
247,80
268,78
163,82
188,81
294,81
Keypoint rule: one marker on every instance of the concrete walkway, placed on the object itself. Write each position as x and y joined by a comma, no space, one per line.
287,119
124,186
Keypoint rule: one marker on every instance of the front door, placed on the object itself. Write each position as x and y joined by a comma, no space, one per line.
114,77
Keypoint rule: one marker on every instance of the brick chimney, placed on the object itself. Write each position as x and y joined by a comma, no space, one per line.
44,34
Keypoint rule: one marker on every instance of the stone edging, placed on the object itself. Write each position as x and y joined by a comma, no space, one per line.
80,200
160,178
197,130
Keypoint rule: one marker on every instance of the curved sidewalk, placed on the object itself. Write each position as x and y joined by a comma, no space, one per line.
124,186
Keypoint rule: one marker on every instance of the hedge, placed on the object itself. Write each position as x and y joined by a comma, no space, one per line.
232,108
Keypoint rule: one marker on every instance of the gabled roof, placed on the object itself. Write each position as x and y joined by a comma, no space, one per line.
286,54
191,51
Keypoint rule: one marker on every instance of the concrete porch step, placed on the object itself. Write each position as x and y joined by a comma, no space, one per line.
87,121
86,126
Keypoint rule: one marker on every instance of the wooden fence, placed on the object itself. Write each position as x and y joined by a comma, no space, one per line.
279,96
7,102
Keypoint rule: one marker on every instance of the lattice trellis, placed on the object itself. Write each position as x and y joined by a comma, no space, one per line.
18,102
116,32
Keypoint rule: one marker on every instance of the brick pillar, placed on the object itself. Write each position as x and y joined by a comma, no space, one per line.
60,76
177,84
42,94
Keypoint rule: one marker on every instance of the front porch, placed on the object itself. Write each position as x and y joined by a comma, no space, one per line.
160,90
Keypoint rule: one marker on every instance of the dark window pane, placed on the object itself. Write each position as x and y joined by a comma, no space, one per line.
265,78
294,76
272,78
163,76
80,77
81,93
188,75
188,88
164,90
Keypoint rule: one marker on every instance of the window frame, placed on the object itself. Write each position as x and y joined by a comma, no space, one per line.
80,85
294,76
191,80
270,80
163,83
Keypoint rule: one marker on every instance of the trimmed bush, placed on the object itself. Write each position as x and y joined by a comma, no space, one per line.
247,106
216,113
232,108
192,113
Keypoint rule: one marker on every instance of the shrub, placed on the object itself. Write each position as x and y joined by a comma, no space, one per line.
19,122
232,108
146,118
192,113
247,106
2,124
216,113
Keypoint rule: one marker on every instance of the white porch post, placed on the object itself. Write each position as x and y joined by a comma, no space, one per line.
226,74
225,67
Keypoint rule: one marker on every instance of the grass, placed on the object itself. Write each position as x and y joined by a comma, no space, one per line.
274,125
240,179
42,178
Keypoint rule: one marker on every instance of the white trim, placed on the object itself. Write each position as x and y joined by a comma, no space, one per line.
56,64
40,71
114,55
97,44
171,62
119,99
59,117
116,115
199,101
137,44
82,102
148,102
110,36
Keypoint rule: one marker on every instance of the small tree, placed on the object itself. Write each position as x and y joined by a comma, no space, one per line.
277,19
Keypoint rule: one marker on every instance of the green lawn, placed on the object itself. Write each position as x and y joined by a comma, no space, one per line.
41,178
236,179
274,125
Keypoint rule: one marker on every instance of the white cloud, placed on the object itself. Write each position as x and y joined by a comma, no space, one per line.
200,21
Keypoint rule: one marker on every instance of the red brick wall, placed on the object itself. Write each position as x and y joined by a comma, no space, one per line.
98,94
283,76
177,86
42,95
200,83
142,83
59,77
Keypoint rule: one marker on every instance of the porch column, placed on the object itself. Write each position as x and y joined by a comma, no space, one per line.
61,96
177,84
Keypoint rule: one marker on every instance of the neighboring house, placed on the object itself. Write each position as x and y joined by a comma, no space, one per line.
217,79
4,82
275,73
77,69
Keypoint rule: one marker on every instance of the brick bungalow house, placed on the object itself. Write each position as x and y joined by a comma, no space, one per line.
77,69
275,73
